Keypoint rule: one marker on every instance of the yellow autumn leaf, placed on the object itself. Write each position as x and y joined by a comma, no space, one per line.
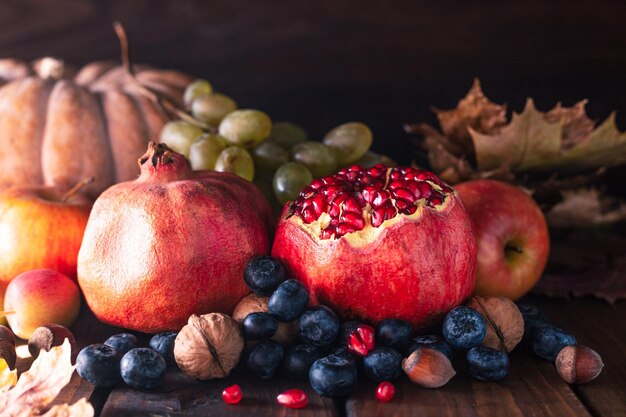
8,377
39,386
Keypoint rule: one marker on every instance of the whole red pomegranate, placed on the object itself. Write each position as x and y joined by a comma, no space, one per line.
380,243
172,243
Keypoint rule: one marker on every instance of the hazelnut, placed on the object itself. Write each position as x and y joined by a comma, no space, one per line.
505,323
209,346
47,336
254,303
578,364
7,352
428,368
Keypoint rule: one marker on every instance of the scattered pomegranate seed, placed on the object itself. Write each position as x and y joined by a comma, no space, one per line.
232,394
362,340
293,398
356,345
385,391
367,335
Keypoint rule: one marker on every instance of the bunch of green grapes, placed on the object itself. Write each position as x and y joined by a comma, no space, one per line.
278,157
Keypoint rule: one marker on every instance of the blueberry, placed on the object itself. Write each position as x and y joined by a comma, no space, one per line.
122,342
464,328
432,342
382,364
346,328
318,326
332,376
163,344
394,333
487,364
288,301
355,360
547,341
143,368
259,326
533,319
298,360
265,358
263,274
99,364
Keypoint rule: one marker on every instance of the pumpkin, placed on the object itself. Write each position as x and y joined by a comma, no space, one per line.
58,127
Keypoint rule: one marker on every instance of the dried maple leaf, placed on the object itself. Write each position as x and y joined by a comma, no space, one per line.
8,377
39,386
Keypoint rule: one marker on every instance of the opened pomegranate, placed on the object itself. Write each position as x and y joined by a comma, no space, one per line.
380,243
172,243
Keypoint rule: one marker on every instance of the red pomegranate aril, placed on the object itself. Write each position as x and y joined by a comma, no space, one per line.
378,216
316,184
368,180
367,335
352,206
390,212
425,189
293,398
319,204
377,171
356,345
232,394
308,215
402,205
369,193
396,175
397,184
345,228
404,194
328,232
411,209
380,198
435,200
353,175
385,391
353,219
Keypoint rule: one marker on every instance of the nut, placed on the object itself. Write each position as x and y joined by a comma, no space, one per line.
209,346
7,334
47,336
505,323
578,364
7,352
428,368
254,303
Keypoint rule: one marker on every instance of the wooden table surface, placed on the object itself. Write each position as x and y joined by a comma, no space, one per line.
532,388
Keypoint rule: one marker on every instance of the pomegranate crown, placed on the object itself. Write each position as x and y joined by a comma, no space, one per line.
356,198
164,162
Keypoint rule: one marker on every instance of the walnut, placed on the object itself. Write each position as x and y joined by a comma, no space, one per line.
209,346
254,303
505,323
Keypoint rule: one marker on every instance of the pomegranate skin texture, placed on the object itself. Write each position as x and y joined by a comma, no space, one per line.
416,264
170,244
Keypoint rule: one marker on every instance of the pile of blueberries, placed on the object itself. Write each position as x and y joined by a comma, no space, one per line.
120,358
324,355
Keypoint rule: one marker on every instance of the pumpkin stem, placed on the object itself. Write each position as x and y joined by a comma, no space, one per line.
76,188
163,105
49,67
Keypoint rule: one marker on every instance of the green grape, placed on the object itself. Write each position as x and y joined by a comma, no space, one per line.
179,136
369,159
196,89
236,160
204,152
245,127
289,180
287,134
316,156
269,156
212,108
350,141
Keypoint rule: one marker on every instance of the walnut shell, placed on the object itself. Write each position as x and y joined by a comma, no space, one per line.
254,303
505,323
209,346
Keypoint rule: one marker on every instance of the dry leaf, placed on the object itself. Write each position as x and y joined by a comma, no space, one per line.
8,377
583,207
80,408
40,385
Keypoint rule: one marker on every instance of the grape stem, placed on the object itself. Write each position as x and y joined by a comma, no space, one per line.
164,106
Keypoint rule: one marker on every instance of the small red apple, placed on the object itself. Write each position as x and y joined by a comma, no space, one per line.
39,297
40,227
511,235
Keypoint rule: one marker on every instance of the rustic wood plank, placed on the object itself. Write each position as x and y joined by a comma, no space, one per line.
181,395
602,327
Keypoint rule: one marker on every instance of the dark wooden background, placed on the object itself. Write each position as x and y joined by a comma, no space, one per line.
321,63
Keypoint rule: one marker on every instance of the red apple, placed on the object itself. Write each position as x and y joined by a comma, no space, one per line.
40,227
39,297
511,235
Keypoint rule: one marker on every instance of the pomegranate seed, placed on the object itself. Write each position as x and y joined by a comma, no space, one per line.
376,171
378,217
329,180
435,200
319,204
358,197
367,180
425,189
316,184
402,205
328,232
356,345
385,391
380,198
390,212
308,215
352,206
344,229
395,175
293,398
412,208
369,193
404,194
353,219
367,335
397,184
232,394
353,175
